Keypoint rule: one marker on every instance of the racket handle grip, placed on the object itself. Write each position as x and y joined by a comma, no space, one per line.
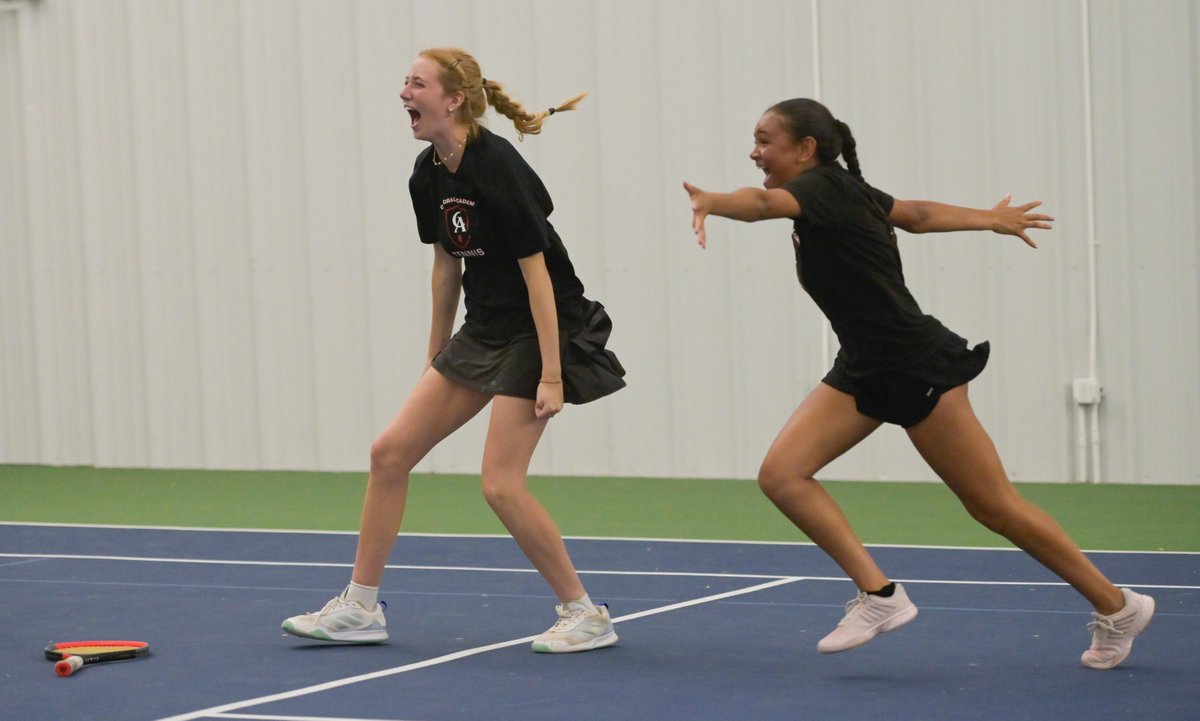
68,665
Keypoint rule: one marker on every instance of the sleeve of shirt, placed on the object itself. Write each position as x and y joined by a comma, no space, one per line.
516,198
817,197
420,189
885,201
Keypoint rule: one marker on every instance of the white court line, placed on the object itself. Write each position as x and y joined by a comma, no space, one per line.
271,717
31,558
634,539
223,710
216,711
399,567
592,572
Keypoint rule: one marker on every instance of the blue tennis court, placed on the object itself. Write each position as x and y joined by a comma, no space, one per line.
709,630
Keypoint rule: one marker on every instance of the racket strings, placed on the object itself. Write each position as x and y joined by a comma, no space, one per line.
97,648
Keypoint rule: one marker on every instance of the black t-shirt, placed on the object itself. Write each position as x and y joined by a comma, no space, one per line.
493,210
848,261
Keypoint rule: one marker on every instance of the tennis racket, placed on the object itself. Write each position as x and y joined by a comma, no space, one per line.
74,655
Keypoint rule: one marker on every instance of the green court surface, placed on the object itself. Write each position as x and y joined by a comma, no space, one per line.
1107,517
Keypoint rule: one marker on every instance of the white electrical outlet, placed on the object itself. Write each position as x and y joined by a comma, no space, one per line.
1087,391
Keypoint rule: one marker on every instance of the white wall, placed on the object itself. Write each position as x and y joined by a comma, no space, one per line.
208,259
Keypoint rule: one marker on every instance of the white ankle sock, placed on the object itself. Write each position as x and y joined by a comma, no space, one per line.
368,596
585,602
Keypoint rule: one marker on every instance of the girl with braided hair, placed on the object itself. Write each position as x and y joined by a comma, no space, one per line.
529,343
895,365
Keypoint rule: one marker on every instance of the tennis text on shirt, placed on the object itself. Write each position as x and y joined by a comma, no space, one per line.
491,212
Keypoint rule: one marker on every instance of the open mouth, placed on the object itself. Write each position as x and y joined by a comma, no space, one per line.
414,117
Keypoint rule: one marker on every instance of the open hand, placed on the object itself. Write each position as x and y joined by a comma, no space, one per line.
699,213
1015,220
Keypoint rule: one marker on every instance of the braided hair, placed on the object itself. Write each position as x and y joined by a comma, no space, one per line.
460,72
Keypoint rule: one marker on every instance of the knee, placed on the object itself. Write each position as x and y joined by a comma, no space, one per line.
998,515
497,492
389,455
775,478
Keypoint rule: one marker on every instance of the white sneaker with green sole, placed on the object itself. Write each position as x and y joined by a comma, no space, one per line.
578,628
341,620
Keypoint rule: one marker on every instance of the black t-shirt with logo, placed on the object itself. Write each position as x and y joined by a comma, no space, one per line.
490,212
848,261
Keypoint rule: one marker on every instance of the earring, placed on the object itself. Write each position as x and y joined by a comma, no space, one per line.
450,111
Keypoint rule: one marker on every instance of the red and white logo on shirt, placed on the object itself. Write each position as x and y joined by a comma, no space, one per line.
458,224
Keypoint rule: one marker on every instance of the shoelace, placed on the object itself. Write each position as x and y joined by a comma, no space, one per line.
1102,623
853,606
334,604
568,619
338,602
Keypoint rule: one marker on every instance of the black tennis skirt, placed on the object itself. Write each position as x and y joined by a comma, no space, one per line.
512,367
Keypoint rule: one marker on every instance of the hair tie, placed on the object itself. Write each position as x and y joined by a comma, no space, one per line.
552,111
482,82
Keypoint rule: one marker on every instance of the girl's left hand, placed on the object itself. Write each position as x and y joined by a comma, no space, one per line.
549,400
699,213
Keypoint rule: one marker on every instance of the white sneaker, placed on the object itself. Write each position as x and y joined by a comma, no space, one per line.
578,628
341,620
866,617
1112,636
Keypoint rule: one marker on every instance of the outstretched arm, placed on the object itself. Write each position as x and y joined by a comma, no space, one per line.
748,204
926,216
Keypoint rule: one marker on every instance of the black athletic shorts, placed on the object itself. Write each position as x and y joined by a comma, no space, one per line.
907,396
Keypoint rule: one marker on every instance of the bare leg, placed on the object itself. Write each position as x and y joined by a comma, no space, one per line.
955,445
826,425
513,434
435,409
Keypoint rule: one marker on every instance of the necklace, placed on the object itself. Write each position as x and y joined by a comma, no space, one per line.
449,157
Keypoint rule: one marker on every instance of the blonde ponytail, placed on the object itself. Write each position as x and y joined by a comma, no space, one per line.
525,122
461,73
